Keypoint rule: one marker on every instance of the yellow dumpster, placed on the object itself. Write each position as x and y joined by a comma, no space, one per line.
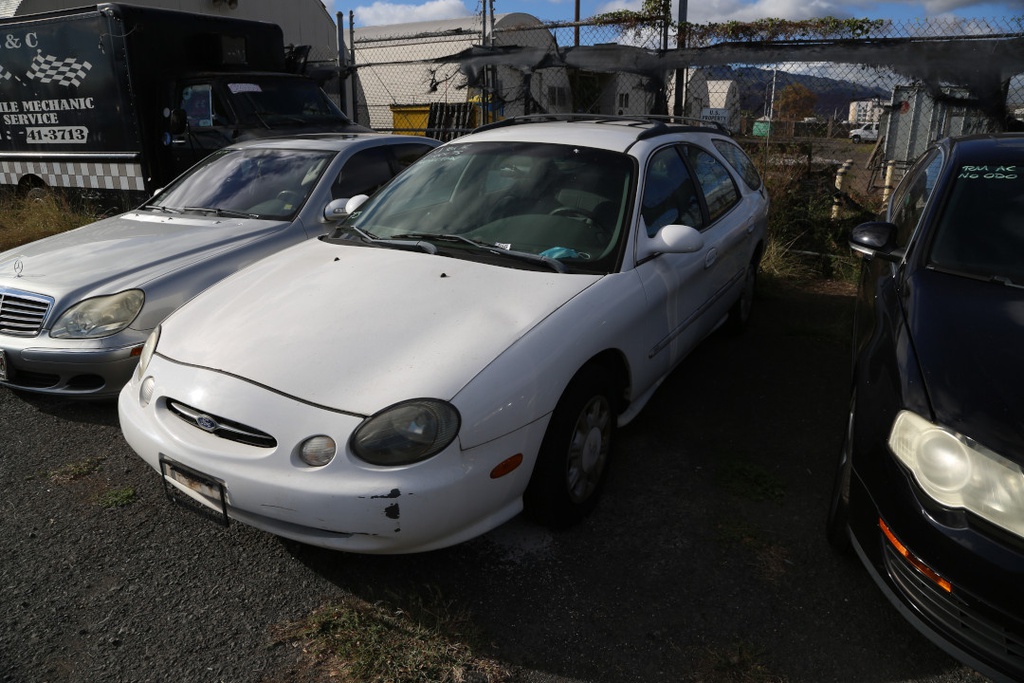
410,119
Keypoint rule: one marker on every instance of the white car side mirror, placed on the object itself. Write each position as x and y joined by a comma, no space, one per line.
339,209
671,239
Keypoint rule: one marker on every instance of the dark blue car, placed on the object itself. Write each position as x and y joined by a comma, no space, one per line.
929,491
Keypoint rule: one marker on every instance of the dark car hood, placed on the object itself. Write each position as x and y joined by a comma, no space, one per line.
967,335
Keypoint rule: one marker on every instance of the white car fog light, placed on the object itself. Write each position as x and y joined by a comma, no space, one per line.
317,451
146,391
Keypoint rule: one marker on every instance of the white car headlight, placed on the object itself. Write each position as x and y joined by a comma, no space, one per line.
406,432
148,349
101,316
960,473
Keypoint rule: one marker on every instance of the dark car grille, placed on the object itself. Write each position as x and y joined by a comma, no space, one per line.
967,625
219,426
22,313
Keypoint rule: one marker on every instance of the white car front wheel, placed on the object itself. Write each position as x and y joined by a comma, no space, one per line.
573,461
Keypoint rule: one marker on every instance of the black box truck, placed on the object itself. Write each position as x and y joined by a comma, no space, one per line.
120,98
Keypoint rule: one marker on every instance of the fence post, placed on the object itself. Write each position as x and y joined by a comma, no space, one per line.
890,167
837,198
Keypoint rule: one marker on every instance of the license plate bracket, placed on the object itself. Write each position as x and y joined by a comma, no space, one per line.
194,490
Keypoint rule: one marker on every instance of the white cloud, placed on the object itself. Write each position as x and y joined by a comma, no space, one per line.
385,13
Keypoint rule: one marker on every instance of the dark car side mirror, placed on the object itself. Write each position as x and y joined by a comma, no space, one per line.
876,238
177,121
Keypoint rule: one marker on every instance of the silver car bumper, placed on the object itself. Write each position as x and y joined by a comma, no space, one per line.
39,365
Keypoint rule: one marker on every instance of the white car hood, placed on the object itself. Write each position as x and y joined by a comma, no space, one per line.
122,252
358,329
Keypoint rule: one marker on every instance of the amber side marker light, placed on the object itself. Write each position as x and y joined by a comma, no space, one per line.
136,352
909,557
507,465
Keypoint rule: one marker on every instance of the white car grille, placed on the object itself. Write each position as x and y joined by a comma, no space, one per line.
22,313
219,426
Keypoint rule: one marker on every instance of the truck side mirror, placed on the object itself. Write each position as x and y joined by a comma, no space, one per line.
177,121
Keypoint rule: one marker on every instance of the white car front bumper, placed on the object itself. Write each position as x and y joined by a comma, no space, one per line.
345,505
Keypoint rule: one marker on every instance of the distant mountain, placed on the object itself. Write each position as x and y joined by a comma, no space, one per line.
834,94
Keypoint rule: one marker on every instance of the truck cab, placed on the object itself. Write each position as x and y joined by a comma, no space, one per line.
214,110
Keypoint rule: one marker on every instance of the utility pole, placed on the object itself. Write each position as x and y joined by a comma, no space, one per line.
681,40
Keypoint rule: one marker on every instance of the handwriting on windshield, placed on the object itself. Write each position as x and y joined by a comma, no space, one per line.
988,172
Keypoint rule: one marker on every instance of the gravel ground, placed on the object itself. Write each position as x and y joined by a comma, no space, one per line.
705,561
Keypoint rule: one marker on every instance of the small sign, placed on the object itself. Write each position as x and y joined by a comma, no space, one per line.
716,115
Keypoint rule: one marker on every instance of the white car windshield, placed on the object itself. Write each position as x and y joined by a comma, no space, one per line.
256,183
561,202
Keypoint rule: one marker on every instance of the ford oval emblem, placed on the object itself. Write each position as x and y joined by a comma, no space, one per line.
207,423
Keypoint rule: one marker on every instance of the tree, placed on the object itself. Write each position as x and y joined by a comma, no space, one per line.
795,102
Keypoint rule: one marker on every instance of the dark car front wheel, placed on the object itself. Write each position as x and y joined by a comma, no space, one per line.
837,524
573,460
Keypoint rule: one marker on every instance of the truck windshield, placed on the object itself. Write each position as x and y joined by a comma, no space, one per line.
282,102
262,183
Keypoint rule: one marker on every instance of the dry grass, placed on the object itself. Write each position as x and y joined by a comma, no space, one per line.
24,220
412,639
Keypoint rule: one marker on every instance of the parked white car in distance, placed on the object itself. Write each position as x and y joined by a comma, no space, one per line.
867,132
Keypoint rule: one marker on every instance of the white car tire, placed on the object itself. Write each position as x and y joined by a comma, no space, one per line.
572,465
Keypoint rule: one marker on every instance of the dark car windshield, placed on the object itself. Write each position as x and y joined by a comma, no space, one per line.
980,231
562,202
262,183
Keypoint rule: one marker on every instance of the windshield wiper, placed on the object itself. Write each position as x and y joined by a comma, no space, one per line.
526,256
408,244
216,211
165,209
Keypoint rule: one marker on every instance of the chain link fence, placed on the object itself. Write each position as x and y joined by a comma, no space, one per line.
892,86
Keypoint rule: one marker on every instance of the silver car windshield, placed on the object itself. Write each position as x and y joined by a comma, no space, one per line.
259,183
561,202
980,233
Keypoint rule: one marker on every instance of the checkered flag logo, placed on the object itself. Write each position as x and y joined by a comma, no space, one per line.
49,69
5,74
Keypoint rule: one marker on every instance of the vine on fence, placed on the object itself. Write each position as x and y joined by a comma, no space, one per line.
657,14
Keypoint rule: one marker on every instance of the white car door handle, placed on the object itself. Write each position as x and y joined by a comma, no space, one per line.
710,258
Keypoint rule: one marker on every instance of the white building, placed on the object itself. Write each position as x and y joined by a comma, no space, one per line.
865,111
712,99
402,72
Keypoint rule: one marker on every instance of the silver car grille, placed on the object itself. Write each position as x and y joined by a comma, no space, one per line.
22,313
221,427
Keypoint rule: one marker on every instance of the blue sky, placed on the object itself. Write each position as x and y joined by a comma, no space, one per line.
381,12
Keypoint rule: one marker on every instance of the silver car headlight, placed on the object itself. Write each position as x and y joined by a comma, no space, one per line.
960,473
406,432
100,316
148,349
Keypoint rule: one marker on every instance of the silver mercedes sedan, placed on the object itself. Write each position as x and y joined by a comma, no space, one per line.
76,308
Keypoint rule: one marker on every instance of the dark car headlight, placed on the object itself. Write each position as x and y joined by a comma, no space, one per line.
406,432
960,473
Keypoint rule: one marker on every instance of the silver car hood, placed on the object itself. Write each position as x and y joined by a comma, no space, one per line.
357,328
123,252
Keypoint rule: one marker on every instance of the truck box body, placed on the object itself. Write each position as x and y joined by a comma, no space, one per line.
115,97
